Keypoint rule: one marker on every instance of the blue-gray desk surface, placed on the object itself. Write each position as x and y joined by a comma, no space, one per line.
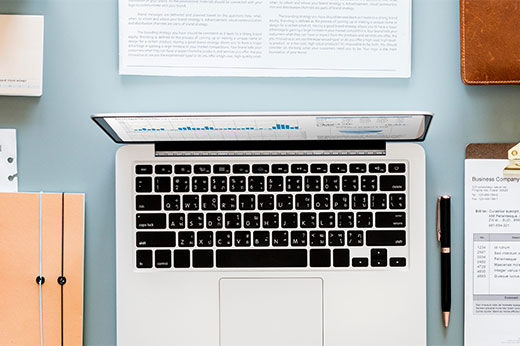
60,148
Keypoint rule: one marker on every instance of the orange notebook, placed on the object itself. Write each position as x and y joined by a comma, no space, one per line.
61,258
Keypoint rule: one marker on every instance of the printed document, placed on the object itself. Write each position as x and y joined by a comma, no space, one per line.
293,38
492,255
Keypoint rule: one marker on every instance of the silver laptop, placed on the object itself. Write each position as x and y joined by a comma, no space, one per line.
280,228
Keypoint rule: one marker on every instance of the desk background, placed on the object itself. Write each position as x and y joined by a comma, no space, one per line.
60,148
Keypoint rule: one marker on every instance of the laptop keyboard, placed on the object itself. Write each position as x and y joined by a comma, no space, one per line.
343,216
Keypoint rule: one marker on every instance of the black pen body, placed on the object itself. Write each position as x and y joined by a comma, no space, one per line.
445,282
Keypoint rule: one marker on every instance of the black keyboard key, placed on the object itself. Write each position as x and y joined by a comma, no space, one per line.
299,168
308,220
377,168
148,202
143,169
221,169
202,169
260,238
397,262
143,258
340,201
350,183
233,220
396,168
270,220
150,221
346,220
322,201
155,239
284,202
338,168
172,202
397,201
341,258
242,238
360,262
260,168
163,169
256,183
390,220
303,202
289,220
163,259
262,258
186,239
181,258
182,169
228,202
195,220
237,183
275,183
359,201
202,259
143,184
319,258
318,238
392,183
386,238
204,239
223,239
331,183
218,184
364,220
163,184
190,202
318,168
199,184
251,220
327,220
280,238
336,238
312,183
246,202
280,168
214,220
298,238
177,220
378,258
358,168
378,201
265,202
240,169
293,183
209,202
181,184
369,183
355,238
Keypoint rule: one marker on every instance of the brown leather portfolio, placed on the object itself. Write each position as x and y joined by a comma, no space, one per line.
490,41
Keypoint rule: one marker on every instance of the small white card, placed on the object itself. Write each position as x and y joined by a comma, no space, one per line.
21,55
8,162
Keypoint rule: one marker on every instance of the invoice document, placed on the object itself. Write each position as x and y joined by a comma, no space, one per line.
492,255
294,38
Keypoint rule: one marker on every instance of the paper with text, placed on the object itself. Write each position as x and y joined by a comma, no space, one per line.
8,162
492,255
293,38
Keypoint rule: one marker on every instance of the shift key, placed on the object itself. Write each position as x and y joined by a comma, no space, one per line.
386,238
150,221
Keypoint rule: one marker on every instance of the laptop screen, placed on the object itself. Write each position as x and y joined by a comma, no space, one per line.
146,128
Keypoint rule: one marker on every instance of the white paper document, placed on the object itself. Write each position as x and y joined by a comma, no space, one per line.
492,255
8,162
293,38
21,55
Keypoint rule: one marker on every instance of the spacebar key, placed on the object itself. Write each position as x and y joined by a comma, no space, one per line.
261,258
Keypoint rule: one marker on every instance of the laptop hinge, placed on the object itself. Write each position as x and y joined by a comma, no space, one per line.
270,148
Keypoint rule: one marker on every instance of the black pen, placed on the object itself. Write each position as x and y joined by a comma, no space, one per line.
443,236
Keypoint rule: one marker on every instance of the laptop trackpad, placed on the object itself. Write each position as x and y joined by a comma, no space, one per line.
271,311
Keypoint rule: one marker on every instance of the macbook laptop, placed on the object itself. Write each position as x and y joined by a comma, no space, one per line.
278,228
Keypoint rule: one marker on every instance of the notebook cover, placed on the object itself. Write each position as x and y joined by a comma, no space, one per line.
496,151
490,41
20,262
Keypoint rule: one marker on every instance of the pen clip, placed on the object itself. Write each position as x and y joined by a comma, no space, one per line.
439,219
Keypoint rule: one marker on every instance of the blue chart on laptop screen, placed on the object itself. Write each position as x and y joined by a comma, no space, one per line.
176,128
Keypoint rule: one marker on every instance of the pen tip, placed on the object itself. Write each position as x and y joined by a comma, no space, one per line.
446,317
